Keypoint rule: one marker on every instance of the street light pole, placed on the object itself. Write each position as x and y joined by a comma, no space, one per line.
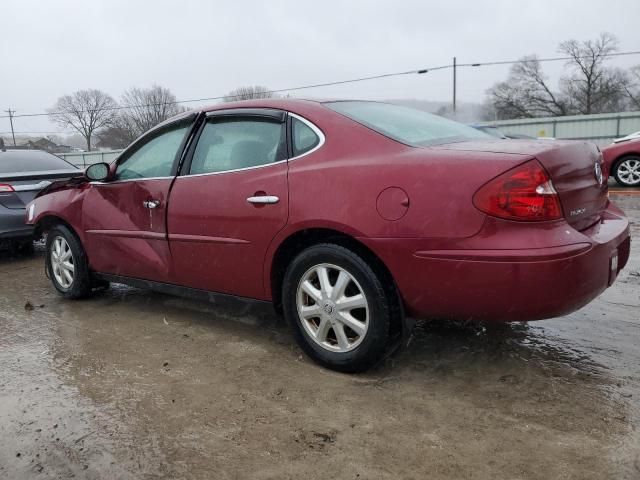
454,85
13,135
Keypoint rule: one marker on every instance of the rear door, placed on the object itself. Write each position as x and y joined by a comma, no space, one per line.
230,201
125,218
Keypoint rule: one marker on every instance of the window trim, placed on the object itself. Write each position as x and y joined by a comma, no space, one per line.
185,165
279,116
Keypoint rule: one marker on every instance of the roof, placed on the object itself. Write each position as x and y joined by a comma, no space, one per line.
292,104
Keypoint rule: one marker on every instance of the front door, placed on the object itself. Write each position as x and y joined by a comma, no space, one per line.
229,203
125,218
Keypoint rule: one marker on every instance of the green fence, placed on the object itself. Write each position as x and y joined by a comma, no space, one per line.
83,159
601,128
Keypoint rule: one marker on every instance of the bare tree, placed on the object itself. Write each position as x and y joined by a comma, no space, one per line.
248,93
593,87
86,111
526,93
114,137
144,108
632,87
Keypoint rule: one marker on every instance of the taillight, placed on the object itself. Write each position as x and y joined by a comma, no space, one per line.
523,193
5,187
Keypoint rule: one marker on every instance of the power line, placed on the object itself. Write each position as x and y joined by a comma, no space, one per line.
342,82
543,60
280,90
41,132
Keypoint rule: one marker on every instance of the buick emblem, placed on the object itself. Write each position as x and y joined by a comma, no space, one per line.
328,309
597,171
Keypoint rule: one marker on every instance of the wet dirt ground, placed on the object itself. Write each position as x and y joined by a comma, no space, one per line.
133,384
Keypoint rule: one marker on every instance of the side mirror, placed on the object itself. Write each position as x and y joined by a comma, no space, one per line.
97,172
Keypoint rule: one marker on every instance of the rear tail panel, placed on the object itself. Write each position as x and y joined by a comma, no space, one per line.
576,172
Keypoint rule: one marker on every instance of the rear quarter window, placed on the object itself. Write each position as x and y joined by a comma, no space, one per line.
304,138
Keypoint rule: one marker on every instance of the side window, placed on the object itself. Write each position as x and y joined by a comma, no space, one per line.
231,144
304,138
155,158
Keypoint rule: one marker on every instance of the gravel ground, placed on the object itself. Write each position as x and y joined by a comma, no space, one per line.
134,384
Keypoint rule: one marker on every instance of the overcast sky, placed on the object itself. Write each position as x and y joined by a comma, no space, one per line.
206,48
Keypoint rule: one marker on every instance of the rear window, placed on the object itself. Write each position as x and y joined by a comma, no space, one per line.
406,125
14,161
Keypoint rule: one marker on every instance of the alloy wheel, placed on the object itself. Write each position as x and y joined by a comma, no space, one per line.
332,307
62,263
629,171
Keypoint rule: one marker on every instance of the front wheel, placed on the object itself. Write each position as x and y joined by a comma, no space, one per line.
66,263
338,308
627,171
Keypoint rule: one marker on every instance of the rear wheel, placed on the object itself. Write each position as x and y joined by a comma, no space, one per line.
66,263
337,307
627,171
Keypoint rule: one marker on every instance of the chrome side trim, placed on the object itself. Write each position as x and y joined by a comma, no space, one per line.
130,180
315,129
189,175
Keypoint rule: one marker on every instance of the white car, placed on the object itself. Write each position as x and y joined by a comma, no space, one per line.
631,136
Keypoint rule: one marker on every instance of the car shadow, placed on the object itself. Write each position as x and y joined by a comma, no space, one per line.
435,347
8,255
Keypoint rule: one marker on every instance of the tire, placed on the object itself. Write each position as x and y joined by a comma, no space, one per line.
347,337
626,171
61,241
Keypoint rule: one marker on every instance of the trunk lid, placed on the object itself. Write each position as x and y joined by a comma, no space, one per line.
575,169
26,185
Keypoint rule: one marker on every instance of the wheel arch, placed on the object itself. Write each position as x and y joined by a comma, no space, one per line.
47,222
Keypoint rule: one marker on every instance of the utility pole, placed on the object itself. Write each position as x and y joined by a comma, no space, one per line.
454,85
11,112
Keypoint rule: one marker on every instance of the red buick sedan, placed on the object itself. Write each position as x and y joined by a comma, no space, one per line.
348,215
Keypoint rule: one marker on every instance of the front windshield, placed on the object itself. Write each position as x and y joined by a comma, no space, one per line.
406,125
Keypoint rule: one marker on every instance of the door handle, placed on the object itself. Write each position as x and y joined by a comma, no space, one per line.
268,199
151,204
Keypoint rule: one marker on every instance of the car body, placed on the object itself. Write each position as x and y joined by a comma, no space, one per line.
631,136
622,160
23,174
384,211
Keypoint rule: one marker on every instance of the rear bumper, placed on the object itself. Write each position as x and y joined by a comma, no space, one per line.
12,226
509,284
